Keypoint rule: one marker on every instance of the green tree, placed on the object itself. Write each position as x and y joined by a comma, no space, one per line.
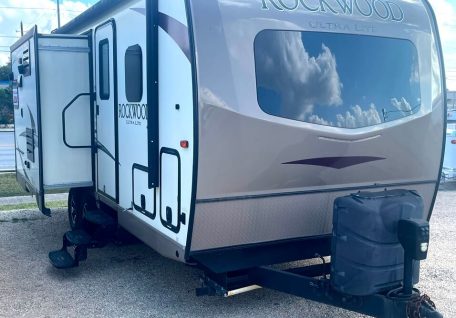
6,98
6,107
5,71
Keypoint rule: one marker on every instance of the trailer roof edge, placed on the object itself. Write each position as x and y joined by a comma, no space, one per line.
92,14
30,33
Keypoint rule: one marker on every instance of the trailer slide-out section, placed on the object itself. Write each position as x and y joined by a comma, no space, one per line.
51,83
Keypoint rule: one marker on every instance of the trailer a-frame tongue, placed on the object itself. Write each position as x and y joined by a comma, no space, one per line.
51,82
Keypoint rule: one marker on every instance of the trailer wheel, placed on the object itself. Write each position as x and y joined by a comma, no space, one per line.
87,202
79,201
75,212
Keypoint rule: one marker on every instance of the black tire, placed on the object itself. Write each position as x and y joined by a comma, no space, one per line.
79,201
88,202
75,212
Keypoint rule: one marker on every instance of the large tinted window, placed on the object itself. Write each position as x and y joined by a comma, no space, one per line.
133,74
339,80
104,69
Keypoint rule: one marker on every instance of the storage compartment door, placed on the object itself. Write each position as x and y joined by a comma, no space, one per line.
170,213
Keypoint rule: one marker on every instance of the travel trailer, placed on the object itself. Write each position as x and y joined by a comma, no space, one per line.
237,134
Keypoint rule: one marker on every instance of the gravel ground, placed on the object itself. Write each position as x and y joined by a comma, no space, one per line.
134,281
32,199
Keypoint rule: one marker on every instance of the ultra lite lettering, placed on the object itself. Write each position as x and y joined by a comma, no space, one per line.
383,9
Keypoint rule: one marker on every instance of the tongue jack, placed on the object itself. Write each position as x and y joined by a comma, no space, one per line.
413,235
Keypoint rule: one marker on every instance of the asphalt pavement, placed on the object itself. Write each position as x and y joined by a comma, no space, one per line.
134,281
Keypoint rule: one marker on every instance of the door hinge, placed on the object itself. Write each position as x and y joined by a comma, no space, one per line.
183,218
98,109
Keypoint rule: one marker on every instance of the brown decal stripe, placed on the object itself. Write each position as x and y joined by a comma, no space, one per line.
335,162
175,29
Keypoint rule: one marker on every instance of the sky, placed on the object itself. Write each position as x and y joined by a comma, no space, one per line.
445,11
40,12
45,17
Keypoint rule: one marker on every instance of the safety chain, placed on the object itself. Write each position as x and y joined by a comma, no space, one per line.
413,308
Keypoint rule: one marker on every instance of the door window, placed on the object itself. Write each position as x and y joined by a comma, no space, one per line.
104,86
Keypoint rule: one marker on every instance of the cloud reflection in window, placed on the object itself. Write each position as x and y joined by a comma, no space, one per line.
339,80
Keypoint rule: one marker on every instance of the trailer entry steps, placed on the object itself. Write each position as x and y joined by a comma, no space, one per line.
98,217
62,259
80,240
99,230
78,237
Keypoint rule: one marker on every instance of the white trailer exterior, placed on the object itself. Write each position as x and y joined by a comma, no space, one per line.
118,165
173,128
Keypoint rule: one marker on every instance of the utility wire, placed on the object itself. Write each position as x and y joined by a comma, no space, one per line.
49,9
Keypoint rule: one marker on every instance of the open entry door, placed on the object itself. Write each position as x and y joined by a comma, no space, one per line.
52,112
